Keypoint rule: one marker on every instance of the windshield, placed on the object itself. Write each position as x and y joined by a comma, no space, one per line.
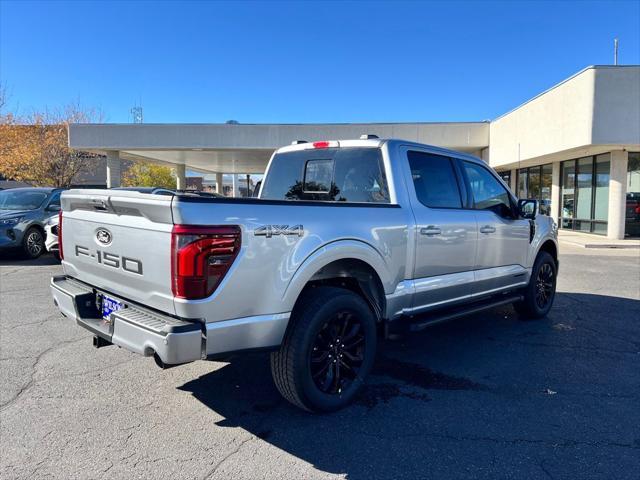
21,200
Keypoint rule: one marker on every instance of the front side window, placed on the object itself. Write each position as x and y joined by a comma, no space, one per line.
331,174
434,180
488,193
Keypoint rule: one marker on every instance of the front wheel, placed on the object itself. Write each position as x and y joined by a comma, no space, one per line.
327,351
541,291
33,243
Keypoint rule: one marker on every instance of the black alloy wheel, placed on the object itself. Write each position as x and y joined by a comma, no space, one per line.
544,285
539,294
327,351
338,352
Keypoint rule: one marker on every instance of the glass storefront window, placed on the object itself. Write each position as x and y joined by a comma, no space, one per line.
535,182
522,183
568,193
585,194
533,185
601,202
632,210
545,189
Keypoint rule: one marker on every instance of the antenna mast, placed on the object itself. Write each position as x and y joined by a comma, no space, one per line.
136,114
615,51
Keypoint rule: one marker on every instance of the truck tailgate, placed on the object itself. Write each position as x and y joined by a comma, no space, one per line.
120,242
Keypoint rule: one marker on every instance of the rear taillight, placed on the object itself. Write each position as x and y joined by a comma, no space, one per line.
200,258
60,235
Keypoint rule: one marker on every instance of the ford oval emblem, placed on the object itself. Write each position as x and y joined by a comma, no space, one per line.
103,236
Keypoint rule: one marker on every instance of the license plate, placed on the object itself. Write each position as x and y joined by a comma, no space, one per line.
109,305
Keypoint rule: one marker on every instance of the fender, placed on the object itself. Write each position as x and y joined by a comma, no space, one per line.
545,230
331,252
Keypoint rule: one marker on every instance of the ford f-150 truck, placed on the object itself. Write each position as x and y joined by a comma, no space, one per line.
347,241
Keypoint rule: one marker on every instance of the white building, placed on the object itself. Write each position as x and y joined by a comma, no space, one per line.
575,147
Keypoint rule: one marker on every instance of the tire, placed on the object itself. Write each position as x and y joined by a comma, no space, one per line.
330,378
33,243
541,291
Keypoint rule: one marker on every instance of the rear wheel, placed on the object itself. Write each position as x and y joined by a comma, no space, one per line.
33,243
328,350
541,291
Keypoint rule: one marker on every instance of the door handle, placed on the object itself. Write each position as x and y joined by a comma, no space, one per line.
487,229
430,231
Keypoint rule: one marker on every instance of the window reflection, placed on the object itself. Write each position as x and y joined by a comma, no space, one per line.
632,210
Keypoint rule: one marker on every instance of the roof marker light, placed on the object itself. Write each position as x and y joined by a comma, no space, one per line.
321,144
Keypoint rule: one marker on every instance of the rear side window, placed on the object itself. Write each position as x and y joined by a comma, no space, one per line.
332,174
434,180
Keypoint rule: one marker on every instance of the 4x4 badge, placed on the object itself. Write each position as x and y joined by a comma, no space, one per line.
271,230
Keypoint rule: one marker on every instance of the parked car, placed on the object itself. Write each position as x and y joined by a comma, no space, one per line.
23,214
632,214
51,236
349,240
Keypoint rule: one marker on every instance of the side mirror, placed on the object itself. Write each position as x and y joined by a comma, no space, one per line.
528,208
53,208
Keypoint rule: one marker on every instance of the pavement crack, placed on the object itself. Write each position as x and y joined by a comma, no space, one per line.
34,366
226,457
545,470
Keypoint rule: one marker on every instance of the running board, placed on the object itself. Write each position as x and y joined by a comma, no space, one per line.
450,314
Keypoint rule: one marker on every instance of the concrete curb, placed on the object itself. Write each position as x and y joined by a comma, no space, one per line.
601,245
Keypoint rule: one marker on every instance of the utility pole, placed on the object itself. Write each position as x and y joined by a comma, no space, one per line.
615,51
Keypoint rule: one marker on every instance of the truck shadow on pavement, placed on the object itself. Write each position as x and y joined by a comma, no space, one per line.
439,402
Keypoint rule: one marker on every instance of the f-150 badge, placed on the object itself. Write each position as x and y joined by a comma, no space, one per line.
272,230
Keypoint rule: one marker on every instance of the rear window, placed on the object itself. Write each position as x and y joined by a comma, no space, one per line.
332,174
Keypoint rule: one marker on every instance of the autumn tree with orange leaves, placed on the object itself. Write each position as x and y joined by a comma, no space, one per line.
34,148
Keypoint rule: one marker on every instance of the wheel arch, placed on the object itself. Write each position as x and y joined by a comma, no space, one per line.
352,265
550,247
38,227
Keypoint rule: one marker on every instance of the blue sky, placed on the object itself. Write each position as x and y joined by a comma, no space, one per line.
303,62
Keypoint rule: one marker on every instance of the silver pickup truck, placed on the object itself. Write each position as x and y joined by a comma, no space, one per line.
348,241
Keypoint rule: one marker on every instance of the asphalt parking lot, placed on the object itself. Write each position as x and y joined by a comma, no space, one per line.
488,396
